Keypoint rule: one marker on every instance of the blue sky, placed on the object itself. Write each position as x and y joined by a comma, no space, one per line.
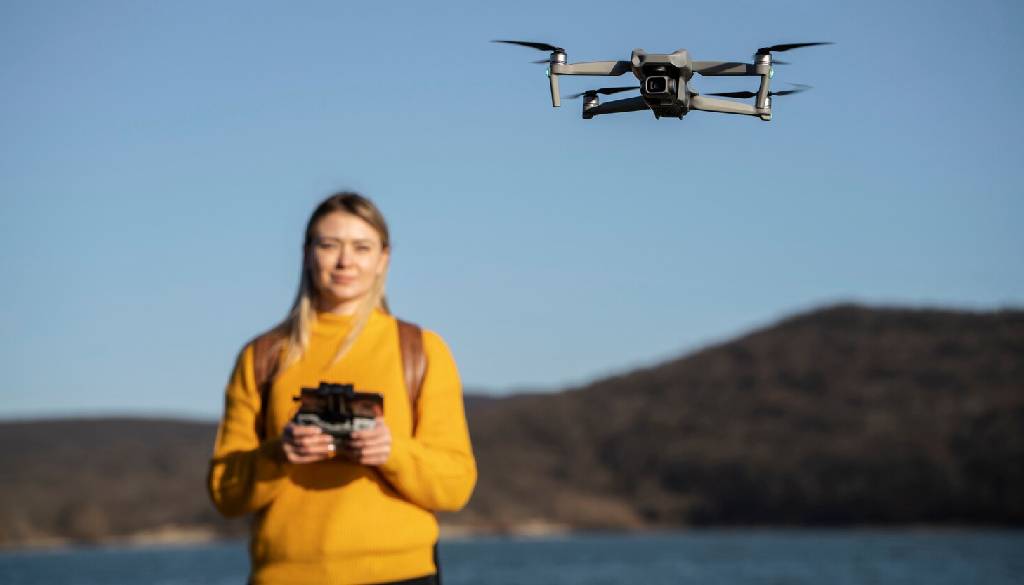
158,162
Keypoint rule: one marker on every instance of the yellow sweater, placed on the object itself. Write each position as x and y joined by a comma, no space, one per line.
334,521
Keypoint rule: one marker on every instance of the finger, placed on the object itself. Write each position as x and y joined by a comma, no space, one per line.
309,458
373,445
305,453
289,452
295,456
322,448
305,430
301,443
371,435
374,438
374,456
375,450
321,440
314,441
376,459
298,452
301,447
360,435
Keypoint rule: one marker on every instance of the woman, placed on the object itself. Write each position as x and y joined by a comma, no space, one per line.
359,510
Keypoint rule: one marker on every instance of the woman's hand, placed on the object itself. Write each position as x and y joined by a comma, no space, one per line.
306,444
372,447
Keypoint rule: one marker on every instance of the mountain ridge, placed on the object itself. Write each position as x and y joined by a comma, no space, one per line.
844,415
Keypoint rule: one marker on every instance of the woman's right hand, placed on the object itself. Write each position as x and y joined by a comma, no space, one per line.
306,444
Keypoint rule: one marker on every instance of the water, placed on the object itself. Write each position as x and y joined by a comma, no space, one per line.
760,557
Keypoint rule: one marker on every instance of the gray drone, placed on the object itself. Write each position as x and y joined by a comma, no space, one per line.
664,82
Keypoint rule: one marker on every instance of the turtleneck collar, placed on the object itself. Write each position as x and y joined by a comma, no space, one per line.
335,318
333,323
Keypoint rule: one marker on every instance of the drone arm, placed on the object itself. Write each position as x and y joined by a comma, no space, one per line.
592,68
632,104
707,104
716,68
762,68
589,68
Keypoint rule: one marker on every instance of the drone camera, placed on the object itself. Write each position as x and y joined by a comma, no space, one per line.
657,85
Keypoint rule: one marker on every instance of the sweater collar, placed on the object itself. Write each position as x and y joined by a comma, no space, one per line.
333,323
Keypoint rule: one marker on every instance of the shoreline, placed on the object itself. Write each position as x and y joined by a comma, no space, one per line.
185,536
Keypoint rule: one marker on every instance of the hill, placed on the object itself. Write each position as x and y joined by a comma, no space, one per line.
846,415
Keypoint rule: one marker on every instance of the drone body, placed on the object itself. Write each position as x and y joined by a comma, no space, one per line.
665,82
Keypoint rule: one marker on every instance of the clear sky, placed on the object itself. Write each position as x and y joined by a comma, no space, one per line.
158,162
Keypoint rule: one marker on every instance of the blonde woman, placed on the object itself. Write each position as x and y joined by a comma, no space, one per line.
358,510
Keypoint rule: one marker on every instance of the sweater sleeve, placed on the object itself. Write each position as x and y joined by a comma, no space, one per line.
435,468
244,473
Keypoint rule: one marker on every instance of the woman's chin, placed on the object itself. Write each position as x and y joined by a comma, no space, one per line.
336,297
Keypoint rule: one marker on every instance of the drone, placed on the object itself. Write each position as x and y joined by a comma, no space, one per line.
665,82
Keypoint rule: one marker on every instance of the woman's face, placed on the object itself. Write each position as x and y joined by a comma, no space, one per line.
346,256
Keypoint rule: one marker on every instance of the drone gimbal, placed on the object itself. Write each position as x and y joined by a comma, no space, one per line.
664,82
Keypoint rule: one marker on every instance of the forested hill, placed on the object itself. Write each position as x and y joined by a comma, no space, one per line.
842,416
846,415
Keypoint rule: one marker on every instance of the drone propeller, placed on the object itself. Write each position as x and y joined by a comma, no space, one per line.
603,91
787,47
797,88
538,46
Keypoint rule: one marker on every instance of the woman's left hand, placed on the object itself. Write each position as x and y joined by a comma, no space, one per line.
372,447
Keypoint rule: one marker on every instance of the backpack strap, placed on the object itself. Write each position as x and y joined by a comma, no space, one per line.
414,361
266,360
266,352
414,368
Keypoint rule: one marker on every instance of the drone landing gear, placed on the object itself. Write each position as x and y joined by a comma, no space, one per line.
766,113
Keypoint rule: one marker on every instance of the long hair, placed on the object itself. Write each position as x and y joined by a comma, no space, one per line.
297,326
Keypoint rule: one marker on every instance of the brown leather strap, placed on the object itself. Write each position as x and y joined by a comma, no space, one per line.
414,360
266,352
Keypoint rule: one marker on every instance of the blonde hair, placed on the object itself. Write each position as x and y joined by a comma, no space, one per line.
297,326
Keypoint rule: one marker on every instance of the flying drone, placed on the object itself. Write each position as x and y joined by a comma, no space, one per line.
665,82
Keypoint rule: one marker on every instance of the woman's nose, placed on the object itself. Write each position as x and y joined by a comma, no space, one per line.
342,259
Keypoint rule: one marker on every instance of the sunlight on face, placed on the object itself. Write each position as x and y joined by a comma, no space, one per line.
346,256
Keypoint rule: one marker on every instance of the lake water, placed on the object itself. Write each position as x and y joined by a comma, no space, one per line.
707,557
